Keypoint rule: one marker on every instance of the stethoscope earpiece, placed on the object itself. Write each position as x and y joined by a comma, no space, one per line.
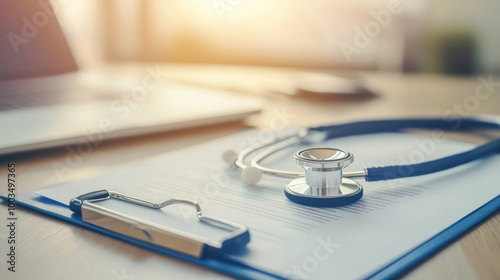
251,175
229,156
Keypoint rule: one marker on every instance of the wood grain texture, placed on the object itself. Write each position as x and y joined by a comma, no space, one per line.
50,249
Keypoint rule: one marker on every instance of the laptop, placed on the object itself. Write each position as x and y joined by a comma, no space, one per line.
46,101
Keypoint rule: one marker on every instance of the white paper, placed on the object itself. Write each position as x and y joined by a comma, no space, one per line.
295,241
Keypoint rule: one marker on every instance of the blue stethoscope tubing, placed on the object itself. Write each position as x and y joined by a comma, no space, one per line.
397,125
331,187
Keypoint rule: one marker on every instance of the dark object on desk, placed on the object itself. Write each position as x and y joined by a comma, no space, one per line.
453,52
327,86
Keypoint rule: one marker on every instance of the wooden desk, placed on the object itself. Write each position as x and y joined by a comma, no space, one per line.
50,249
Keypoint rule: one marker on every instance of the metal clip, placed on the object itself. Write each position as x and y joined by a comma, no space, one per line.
162,236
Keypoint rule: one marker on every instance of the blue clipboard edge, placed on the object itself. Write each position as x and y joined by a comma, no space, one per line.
54,209
420,254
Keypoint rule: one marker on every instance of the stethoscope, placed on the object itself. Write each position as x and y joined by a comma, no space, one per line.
323,184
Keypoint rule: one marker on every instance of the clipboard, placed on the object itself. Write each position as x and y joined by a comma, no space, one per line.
220,264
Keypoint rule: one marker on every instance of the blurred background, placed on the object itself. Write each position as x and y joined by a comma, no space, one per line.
456,37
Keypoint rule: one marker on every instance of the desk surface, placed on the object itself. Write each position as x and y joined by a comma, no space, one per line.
49,249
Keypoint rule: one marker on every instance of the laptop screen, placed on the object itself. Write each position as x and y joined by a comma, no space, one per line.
31,41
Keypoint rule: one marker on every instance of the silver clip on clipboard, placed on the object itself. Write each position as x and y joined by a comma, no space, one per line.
166,237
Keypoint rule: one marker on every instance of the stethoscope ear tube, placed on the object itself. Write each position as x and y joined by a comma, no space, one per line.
404,171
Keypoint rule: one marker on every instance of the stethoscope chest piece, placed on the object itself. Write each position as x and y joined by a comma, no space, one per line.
323,185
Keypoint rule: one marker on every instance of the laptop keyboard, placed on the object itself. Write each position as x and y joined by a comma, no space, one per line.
57,89
14,99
